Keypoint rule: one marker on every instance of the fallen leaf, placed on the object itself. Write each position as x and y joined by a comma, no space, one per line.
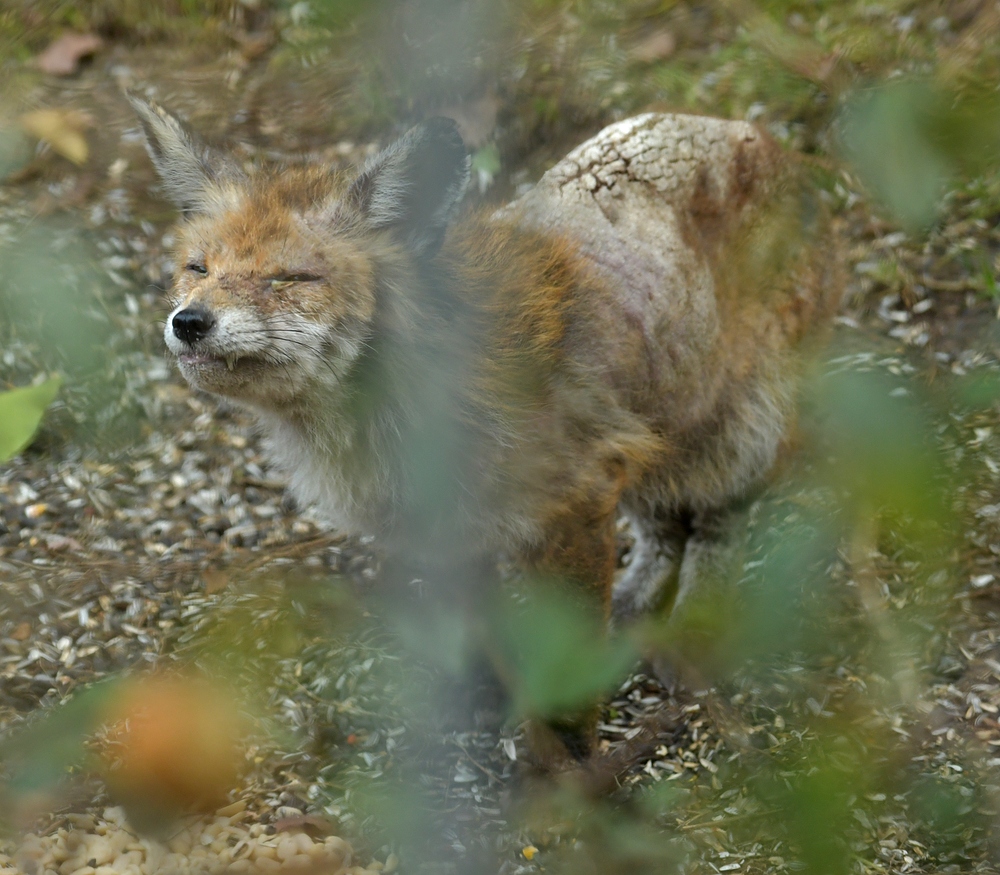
22,632
658,46
476,119
62,129
216,580
63,55
21,412
315,826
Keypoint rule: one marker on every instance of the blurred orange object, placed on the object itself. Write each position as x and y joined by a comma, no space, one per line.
173,747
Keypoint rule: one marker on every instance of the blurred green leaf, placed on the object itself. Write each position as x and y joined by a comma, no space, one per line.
329,13
773,621
661,798
563,658
880,432
440,637
908,138
487,159
977,390
39,758
21,412
948,809
15,150
886,135
816,805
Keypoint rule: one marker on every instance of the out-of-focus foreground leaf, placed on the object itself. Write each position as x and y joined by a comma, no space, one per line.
173,747
886,137
21,412
38,759
908,138
561,656
170,746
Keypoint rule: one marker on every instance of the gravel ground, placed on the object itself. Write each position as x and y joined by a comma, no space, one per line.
144,530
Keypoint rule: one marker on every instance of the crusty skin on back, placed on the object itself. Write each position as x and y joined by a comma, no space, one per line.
718,273
622,338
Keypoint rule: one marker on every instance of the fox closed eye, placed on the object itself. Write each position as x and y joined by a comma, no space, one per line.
196,267
280,282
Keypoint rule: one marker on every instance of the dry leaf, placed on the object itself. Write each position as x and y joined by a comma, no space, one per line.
22,632
658,46
61,542
62,129
476,119
253,45
315,826
63,55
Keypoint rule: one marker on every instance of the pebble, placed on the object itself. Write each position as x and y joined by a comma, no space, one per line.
107,847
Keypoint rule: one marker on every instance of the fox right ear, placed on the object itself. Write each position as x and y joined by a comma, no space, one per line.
414,186
187,168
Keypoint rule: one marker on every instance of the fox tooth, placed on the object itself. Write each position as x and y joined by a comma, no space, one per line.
231,361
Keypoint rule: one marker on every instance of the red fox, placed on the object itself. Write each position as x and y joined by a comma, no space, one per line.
623,339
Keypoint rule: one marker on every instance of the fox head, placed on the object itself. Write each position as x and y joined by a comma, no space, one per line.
278,272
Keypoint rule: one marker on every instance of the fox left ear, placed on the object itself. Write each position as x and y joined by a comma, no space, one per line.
189,170
415,185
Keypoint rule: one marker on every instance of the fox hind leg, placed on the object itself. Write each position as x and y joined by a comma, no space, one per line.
650,578
579,553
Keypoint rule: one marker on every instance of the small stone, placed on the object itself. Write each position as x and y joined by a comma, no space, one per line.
287,848
267,866
339,850
234,808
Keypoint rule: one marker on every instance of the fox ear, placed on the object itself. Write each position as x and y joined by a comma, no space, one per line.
187,168
415,185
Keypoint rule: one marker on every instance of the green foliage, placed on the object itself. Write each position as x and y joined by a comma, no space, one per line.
886,138
558,653
60,312
38,760
440,636
38,21
879,433
21,412
486,162
947,805
336,14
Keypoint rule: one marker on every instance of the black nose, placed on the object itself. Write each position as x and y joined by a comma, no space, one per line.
192,323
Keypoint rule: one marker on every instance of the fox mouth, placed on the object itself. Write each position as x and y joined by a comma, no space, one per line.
200,359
